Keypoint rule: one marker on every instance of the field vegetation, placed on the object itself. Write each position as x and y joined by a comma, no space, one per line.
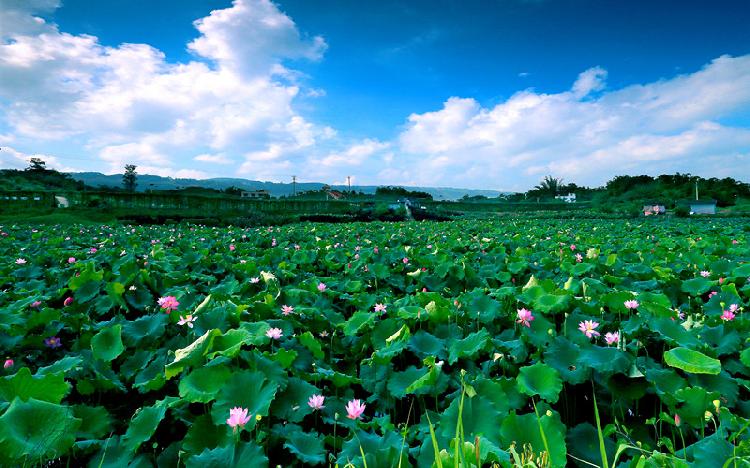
465,343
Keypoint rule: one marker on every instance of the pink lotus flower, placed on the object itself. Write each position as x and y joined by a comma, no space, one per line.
71,260
35,304
286,309
735,242
579,258
187,320
20,261
67,301
588,327
237,417
705,273
405,260
8,364
380,308
92,250
712,294
677,420
316,402
631,304
323,334
525,317
231,247
274,333
612,338
322,287
255,280
572,247
733,308
168,303
728,315
273,243
354,409
375,250
52,342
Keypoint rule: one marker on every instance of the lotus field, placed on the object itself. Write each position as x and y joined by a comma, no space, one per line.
466,343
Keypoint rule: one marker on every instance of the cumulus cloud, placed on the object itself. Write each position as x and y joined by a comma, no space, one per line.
219,158
10,158
355,155
232,109
589,81
130,104
252,37
679,124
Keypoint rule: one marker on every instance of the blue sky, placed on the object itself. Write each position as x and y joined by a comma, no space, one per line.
479,94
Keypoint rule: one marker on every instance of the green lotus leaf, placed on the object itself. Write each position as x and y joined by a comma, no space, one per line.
244,389
239,455
50,387
192,354
96,422
144,423
468,346
563,356
552,303
308,341
540,379
692,361
204,434
424,344
696,286
291,403
107,344
605,360
399,382
307,447
33,431
202,384
525,429
357,322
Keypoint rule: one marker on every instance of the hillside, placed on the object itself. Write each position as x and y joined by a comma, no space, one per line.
276,189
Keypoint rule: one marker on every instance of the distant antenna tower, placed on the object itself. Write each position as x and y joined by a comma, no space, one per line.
349,182
294,185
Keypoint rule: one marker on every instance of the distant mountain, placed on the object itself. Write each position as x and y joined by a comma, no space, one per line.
276,189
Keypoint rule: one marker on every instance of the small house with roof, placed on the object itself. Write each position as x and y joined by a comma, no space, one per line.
703,207
654,209
256,194
699,207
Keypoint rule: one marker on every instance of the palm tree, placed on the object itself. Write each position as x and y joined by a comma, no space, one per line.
550,185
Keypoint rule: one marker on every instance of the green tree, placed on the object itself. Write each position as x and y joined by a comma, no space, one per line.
36,165
130,178
549,185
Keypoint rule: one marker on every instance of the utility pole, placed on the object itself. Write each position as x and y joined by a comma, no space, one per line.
696,189
349,183
294,185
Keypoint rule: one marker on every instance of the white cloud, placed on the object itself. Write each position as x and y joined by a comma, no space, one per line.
251,37
589,81
233,110
10,158
130,104
355,155
679,124
219,158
